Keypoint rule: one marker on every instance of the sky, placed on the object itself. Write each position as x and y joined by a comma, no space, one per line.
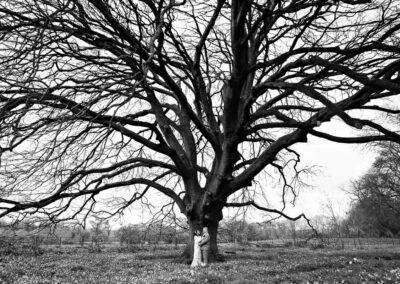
337,165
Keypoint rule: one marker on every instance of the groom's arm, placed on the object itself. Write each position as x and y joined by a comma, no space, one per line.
205,239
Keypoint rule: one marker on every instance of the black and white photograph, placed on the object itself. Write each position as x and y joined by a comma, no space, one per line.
193,141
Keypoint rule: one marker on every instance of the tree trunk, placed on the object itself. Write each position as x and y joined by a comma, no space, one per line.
188,252
204,211
213,232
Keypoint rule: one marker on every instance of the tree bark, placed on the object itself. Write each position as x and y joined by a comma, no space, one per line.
203,211
214,255
213,232
188,252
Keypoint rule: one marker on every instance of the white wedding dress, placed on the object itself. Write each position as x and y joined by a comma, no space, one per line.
196,253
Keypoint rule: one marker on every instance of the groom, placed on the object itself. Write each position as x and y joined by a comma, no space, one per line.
204,246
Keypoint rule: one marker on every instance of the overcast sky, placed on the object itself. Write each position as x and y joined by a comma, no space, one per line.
337,164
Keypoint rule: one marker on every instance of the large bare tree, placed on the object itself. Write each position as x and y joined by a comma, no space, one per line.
193,99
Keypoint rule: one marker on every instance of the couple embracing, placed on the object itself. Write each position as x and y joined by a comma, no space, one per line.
201,248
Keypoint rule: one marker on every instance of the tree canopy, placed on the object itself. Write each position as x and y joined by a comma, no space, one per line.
376,207
194,99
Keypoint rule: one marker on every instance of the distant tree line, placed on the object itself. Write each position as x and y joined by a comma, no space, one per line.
376,208
98,231
232,230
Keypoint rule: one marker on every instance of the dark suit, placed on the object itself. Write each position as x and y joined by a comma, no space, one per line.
205,242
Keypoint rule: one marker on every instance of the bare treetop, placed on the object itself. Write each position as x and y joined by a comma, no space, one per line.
191,98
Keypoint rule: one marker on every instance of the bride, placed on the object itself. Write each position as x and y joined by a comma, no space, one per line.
196,253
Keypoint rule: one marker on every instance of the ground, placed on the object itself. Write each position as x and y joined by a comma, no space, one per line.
250,264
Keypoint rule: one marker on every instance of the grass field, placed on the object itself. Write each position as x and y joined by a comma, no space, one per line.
248,265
